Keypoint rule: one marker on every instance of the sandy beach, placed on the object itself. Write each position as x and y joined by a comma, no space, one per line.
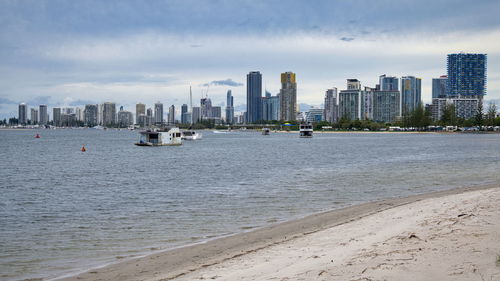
447,235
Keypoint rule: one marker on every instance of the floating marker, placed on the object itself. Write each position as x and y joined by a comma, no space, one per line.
37,136
83,149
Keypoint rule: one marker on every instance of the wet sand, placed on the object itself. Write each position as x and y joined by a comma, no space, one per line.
447,235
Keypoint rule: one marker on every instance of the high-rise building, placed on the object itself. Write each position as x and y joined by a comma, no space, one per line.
140,108
270,107
158,113
56,116
125,118
109,114
23,114
466,75
388,83
331,107
411,88
34,116
353,84
355,104
386,106
216,113
196,114
171,115
254,97
150,120
465,107
288,97
90,115
439,87
185,114
206,108
80,115
229,108
44,115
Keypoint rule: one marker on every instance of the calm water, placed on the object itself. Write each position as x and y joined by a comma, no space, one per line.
62,210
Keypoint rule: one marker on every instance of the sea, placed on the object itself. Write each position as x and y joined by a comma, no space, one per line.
64,211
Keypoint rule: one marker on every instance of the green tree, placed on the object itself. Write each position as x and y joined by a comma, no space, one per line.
491,115
479,118
448,116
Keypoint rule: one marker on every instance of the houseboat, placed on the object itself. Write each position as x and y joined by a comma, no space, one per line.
306,130
160,138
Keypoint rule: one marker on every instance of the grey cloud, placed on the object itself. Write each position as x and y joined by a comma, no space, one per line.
347,39
196,45
6,101
227,82
81,102
40,100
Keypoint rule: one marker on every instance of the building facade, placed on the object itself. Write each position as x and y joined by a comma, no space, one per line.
411,97
23,114
388,83
44,115
288,97
109,114
171,115
158,113
90,115
439,87
185,114
56,116
254,97
34,116
466,75
331,107
229,107
270,107
205,108
140,108
386,106
125,118
196,114
315,115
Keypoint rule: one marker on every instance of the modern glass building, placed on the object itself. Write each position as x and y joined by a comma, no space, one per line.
23,114
411,93
388,83
158,113
44,115
439,87
331,107
185,114
229,108
254,97
386,106
270,107
90,115
466,75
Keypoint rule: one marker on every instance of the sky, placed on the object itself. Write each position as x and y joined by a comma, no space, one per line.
71,53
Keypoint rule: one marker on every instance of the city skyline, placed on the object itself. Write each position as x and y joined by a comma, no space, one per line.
84,57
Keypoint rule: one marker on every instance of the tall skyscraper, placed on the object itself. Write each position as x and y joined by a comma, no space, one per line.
158,113
23,114
196,114
34,116
171,115
331,107
90,115
411,88
254,97
388,83
288,97
206,108
140,108
439,87
467,75
185,114
150,117
386,106
125,118
109,114
79,114
56,116
44,116
229,108
216,113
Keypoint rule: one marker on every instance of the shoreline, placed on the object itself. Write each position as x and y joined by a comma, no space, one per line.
178,262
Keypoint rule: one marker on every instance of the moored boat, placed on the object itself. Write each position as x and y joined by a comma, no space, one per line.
306,130
265,131
171,137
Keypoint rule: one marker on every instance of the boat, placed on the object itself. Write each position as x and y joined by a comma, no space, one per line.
171,137
306,130
265,131
191,135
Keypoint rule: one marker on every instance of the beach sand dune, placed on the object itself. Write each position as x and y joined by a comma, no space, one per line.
450,235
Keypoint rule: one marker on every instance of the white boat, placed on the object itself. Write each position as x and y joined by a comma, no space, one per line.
265,131
306,130
160,138
191,135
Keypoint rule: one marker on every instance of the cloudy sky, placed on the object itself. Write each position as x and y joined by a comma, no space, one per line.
77,52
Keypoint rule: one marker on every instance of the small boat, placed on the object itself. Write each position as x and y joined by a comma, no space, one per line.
306,130
265,131
37,136
219,132
191,135
171,137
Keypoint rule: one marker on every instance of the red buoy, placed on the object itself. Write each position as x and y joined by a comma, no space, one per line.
37,136
83,149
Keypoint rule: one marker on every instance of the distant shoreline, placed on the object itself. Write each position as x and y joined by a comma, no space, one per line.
179,262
